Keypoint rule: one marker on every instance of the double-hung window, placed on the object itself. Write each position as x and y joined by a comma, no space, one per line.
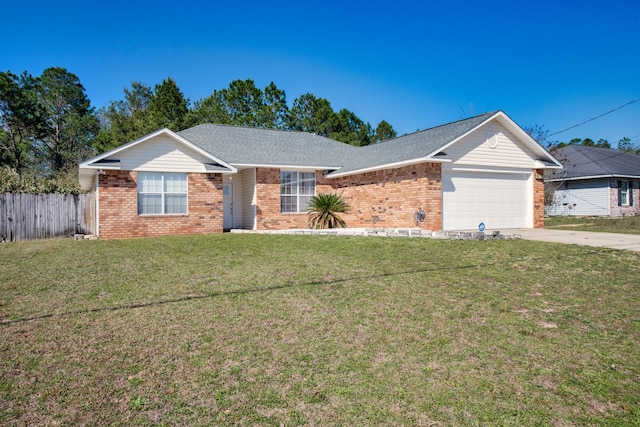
296,189
162,193
625,193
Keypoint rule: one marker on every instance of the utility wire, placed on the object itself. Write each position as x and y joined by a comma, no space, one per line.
594,118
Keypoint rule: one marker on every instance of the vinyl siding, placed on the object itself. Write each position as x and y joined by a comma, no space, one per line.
248,199
582,198
474,149
161,154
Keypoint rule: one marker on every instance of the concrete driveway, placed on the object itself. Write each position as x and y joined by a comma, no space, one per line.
629,242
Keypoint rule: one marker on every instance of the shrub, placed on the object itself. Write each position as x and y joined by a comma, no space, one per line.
63,183
324,209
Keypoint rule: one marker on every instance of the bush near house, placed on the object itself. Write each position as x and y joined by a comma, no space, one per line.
61,183
324,211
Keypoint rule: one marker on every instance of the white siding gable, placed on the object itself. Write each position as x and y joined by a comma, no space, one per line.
161,154
491,145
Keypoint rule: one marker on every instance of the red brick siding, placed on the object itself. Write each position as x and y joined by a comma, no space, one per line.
389,198
538,198
118,210
268,212
617,211
384,199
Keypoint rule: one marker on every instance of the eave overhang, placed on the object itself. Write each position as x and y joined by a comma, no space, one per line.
580,178
428,159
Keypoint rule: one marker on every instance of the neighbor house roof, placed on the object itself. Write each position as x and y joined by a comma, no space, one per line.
583,162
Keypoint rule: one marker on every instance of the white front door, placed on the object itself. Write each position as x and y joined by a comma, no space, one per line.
227,205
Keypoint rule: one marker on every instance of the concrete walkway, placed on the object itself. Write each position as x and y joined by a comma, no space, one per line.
605,240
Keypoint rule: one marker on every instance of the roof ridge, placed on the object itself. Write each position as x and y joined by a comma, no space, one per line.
488,113
251,128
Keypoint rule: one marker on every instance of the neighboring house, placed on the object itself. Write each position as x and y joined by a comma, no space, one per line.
208,178
595,182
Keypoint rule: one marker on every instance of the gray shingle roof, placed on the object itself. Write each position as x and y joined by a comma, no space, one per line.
582,161
412,146
254,146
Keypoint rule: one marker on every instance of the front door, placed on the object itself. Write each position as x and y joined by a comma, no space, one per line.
227,205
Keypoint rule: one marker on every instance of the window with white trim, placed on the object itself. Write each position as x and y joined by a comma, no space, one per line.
162,193
296,190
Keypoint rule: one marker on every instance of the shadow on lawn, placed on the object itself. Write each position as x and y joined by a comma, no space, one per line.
239,292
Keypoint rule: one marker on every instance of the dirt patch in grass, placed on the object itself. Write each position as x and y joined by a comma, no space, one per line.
293,330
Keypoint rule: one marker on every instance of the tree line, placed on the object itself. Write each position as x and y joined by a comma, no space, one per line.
145,109
540,134
625,144
48,126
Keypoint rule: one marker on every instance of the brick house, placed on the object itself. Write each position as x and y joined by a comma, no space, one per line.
210,178
595,182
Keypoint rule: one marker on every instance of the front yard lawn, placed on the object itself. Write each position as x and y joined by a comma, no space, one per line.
625,225
318,330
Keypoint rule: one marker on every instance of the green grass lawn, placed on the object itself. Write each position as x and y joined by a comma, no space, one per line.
628,225
318,330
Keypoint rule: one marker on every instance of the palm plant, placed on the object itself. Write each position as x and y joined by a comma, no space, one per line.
324,209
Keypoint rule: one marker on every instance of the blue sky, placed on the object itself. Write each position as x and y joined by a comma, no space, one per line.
414,64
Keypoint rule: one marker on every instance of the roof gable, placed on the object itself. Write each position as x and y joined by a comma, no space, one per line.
109,160
162,150
516,135
433,145
163,154
491,144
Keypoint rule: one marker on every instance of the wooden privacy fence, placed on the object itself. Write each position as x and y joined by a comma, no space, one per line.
41,216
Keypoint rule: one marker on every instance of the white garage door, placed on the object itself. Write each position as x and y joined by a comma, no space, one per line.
499,200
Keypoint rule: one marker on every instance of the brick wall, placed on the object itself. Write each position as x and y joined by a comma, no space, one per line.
389,198
380,199
538,198
617,211
118,209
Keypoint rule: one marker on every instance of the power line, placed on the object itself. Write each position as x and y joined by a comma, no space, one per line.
594,118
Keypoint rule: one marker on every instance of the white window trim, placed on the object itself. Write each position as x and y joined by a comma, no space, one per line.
625,192
162,194
296,193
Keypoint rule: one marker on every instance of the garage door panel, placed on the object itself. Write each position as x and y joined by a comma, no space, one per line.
498,200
